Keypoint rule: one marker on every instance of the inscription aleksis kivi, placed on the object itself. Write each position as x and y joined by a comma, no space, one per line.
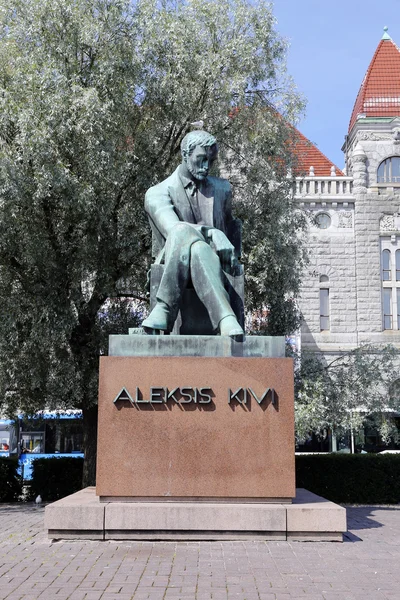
188,395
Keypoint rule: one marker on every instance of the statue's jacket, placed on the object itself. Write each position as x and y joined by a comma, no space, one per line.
167,204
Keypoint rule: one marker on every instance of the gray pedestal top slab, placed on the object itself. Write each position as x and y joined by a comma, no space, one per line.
199,345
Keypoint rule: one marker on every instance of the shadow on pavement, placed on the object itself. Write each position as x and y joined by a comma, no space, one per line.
364,517
350,537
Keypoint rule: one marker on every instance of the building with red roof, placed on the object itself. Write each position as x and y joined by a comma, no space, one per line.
351,291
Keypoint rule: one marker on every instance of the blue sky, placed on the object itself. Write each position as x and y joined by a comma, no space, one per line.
331,46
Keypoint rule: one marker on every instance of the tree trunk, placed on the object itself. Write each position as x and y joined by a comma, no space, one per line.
89,445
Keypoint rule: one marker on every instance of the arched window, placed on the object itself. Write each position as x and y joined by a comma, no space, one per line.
390,275
397,265
386,271
389,170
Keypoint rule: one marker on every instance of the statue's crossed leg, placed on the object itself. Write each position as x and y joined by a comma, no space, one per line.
188,257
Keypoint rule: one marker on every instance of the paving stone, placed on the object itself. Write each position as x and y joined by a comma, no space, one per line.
364,567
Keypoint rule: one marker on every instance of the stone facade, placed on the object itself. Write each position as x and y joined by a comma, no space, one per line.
355,242
349,250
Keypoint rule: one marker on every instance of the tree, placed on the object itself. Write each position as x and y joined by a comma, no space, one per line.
95,98
341,394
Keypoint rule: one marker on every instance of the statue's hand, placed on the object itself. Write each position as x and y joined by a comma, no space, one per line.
223,248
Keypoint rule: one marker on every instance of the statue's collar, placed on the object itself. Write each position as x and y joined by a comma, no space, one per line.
186,178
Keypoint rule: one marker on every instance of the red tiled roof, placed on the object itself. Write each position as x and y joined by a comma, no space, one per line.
308,155
379,94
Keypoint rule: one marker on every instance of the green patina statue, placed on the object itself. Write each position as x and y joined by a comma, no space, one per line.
190,215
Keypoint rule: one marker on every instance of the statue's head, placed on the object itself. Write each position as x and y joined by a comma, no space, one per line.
199,151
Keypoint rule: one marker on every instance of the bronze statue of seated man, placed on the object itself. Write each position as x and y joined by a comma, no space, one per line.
190,214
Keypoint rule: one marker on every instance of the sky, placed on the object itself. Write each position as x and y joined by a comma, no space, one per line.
331,46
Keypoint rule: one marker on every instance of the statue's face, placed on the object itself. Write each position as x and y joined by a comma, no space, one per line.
200,161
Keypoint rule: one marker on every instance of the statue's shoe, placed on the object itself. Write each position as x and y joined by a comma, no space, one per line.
229,326
158,319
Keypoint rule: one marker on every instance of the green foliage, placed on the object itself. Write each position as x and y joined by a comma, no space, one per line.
55,478
95,98
10,481
351,478
341,393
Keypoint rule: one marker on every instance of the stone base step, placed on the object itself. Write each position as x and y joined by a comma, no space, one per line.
83,516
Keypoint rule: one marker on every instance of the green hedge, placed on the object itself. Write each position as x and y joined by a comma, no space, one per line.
10,481
351,478
342,478
55,478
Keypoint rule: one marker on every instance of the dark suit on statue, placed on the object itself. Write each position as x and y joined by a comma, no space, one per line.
181,215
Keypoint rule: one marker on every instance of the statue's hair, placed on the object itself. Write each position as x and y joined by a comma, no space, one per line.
195,138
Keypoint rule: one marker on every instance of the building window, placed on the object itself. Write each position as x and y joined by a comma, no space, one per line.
390,273
387,308
394,390
322,220
398,307
324,309
389,170
386,267
397,265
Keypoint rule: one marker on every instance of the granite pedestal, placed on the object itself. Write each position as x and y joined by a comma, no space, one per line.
196,441
196,427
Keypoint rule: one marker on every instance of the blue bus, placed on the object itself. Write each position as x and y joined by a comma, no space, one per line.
47,434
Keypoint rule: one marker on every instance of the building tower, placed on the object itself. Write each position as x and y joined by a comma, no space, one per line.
351,291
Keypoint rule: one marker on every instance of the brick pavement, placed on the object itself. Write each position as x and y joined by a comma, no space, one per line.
365,567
